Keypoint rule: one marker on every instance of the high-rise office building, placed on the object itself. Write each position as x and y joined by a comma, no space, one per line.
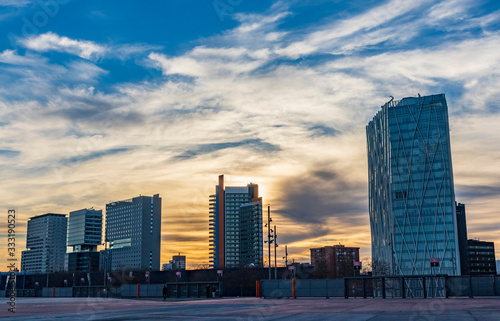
411,191
235,226
133,230
84,235
46,244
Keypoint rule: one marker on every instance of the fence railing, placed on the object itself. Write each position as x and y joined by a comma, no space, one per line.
409,286
421,286
174,289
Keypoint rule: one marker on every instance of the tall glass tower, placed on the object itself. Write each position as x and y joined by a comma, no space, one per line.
410,180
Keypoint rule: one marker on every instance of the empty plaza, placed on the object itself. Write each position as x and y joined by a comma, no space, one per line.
253,309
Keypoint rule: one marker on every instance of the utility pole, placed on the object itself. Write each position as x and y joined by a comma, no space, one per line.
269,236
105,266
275,246
286,256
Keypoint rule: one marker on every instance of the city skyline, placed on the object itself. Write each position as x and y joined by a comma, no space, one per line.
99,104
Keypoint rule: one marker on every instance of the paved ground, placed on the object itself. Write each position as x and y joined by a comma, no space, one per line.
76,309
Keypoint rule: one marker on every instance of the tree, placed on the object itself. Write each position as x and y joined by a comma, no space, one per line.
381,268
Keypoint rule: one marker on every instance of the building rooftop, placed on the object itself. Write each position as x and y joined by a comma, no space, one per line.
46,215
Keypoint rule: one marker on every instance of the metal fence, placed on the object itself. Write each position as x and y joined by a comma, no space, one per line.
174,289
302,288
420,286
19,293
410,286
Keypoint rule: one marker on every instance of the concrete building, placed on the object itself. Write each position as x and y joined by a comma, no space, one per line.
84,235
411,189
336,261
235,225
46,244
481,257
133,230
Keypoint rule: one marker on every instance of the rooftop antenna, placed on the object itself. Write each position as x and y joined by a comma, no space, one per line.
392,98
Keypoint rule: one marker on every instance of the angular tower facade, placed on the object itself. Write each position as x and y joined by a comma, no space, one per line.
411,191
84,235
235,226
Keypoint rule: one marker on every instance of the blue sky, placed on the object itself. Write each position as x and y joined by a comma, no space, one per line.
105,100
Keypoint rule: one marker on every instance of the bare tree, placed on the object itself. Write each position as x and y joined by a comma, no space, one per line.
380,267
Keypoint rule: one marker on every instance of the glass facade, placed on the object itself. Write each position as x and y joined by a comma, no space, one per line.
412,201
85,228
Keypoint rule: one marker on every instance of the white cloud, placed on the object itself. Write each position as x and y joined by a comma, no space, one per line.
337,33
126,51
83,48
253,22
15,3
50,41
454,9
12,58
84,71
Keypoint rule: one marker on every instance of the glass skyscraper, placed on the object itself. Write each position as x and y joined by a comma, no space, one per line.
412,199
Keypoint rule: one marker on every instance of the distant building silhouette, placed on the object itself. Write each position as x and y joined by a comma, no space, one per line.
178,262
462,238
84,235
481,257
335,261
235,226
411,191
133,229
46,243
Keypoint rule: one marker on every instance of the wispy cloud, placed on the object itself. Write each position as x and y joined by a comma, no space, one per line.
254,144
83,48
15,3
50,41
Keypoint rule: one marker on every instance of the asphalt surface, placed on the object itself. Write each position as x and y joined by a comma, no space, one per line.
76,309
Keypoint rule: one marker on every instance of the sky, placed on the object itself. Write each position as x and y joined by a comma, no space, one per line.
106,100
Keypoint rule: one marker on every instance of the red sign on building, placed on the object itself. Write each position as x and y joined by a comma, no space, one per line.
434,262
357,265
